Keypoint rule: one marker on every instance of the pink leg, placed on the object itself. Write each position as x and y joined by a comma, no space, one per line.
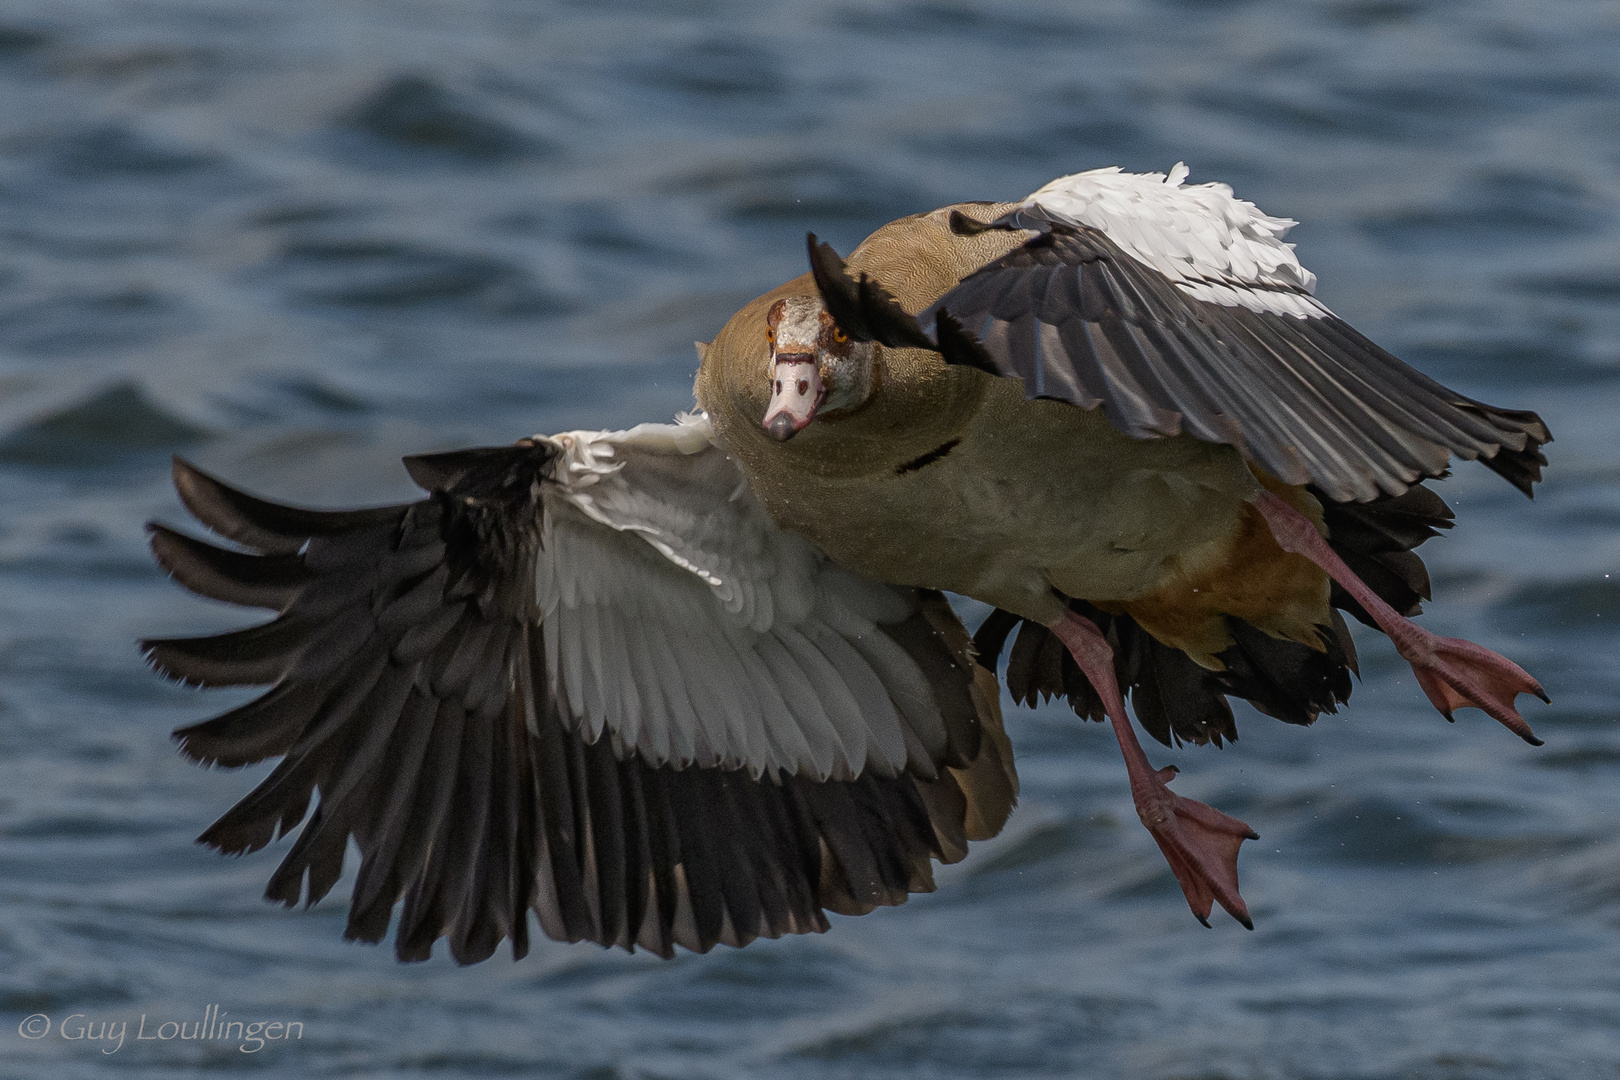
1452,672
1199,842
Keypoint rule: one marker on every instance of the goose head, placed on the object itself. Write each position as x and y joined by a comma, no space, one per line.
815,368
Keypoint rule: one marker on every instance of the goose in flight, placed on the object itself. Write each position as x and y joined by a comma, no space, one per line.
698,682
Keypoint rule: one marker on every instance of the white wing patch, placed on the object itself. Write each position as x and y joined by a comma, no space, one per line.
682,622
1213,246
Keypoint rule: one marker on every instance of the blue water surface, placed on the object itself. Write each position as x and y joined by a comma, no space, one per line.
297,240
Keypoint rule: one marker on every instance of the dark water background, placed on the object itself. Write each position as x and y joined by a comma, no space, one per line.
296,240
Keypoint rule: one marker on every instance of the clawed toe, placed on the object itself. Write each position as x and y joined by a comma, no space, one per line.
1456,674
1201,845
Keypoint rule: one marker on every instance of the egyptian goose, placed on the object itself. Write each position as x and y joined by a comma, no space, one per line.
696,683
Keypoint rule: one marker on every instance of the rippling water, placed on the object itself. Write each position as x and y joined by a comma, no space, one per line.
295,241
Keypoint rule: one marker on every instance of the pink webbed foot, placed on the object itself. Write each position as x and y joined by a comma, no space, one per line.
1199,842
1453,673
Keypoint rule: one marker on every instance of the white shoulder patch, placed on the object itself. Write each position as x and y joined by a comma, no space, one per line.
1213,246
591,457
680,620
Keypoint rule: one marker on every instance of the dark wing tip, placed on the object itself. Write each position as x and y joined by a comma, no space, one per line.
958,345
864,309
268,581
168,658
196,748
891,324
255,656
210,502
358,727
838,291
148,649
1521,468
271,527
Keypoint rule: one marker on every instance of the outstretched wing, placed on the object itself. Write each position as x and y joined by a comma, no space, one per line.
587,675
1178,309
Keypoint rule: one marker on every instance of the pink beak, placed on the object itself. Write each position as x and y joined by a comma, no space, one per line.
796,393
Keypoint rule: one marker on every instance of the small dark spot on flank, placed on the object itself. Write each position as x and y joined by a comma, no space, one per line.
927,459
